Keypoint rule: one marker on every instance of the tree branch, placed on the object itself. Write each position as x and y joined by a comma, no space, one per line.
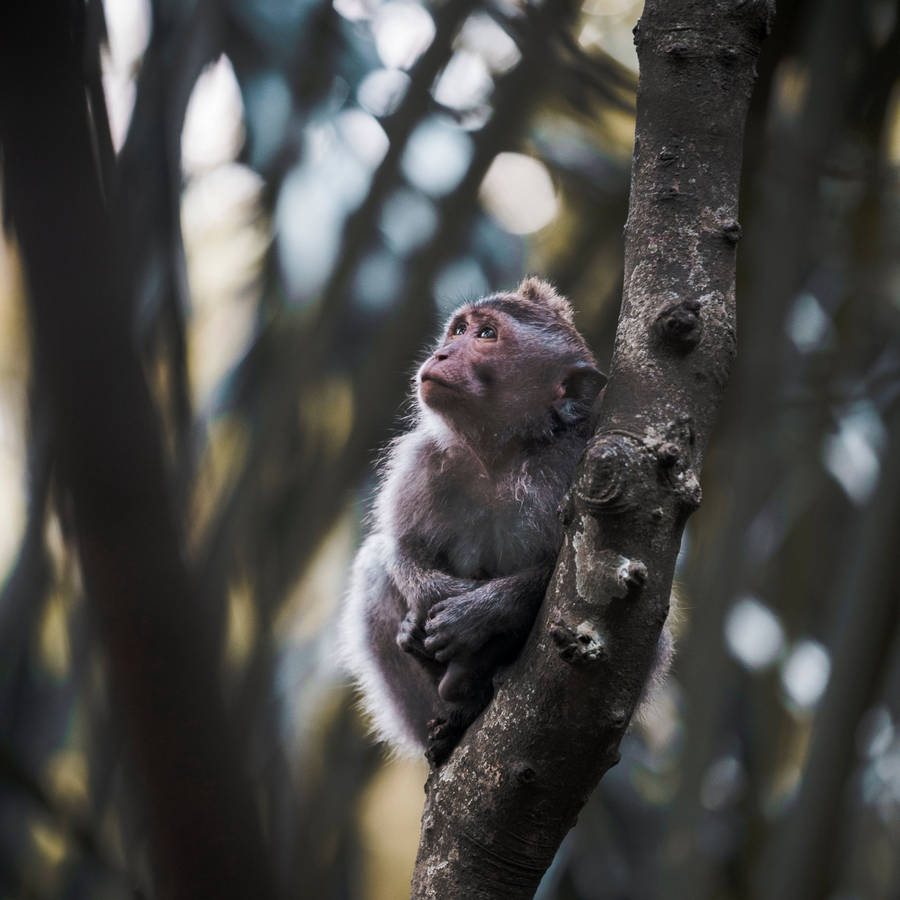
496,813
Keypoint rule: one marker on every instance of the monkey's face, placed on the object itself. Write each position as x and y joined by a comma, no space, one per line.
492,373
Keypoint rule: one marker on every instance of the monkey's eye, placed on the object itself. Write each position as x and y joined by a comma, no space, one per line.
458,328
487,332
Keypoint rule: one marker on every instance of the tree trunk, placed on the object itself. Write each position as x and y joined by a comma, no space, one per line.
496,813
162,666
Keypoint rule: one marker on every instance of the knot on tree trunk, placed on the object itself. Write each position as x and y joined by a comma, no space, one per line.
605,484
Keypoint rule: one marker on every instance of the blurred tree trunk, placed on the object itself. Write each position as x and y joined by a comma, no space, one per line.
787,238
163,669
496,813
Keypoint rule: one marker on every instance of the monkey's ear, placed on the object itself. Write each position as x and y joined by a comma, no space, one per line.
579,387
583,380
536,290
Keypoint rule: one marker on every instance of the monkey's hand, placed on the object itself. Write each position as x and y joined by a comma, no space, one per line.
461,625
455,626
411,636
421,587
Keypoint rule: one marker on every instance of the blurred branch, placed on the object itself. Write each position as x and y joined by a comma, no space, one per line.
20,600
281,336
799,862
162,668
95,36
14,774
783,200
798,859
872,92
606,77
184,39
496,813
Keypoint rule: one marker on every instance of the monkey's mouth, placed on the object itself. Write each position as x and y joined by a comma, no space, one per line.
429,378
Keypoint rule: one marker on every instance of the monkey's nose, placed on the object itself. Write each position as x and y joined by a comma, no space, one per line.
441,355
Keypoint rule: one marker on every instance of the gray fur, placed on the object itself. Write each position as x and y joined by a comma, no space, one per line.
465,534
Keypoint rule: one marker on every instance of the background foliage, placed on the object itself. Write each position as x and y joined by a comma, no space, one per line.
304,189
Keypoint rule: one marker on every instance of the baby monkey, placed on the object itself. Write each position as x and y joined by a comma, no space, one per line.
446,588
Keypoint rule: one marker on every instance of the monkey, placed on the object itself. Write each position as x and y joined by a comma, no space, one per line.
447,585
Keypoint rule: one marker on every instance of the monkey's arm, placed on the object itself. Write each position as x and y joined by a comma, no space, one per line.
409,514
503,607
421,587
421,584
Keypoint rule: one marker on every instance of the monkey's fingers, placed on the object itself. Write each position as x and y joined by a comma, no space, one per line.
437,624
411,639
440,646
436,609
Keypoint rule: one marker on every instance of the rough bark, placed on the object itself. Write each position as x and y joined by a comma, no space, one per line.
497,811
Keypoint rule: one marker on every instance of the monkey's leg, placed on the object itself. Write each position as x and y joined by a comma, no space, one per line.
467,688
400,690
445,732
471,677
475,633
410,681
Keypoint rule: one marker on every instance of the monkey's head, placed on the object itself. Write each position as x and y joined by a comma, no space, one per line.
511,365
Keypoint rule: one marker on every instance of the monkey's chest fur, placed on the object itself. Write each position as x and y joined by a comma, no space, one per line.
474,525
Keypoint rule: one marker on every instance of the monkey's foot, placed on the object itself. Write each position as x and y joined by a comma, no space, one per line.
443,736
445,733
463,682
